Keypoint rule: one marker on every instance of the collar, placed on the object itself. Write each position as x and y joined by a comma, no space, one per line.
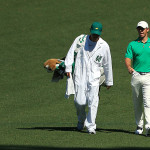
101,41
148,40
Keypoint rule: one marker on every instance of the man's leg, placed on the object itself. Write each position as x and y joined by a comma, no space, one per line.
137,101
81,114
146,99
80,104
93,100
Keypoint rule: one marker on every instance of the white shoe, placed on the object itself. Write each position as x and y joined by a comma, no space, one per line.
148,132
139,130
92,131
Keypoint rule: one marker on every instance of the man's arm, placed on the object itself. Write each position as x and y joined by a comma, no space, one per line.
70,58
107,65
128,65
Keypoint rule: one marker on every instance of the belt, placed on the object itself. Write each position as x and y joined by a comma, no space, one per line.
143,73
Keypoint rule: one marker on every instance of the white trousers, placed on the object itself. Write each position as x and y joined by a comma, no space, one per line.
141,98
87,97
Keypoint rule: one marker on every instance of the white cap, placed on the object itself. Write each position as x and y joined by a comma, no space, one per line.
143,24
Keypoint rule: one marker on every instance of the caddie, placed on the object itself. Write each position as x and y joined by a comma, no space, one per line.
90,53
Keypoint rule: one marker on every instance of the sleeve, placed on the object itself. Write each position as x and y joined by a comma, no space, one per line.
129,52
107,65
70,57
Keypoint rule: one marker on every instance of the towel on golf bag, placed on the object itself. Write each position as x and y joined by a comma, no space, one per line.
58,67
69,87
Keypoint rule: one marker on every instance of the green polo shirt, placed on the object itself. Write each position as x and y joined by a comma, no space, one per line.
139,52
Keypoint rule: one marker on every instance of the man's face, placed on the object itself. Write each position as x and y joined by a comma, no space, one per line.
142,32
94,37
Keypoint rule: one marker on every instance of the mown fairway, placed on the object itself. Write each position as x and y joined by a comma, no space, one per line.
33,111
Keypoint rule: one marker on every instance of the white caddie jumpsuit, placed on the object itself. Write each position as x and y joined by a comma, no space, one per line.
87,74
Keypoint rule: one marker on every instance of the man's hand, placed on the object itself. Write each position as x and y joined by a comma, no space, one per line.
128,65
130,70
68,74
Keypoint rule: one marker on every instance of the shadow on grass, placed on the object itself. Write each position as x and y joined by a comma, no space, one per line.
51,128
17,147
75,129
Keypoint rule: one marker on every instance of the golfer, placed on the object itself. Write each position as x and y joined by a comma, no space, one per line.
90,53
138,51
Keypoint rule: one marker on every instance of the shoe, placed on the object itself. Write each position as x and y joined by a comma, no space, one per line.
91,131
80,126
148,132
139,130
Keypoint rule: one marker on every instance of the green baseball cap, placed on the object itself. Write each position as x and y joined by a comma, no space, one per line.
96,28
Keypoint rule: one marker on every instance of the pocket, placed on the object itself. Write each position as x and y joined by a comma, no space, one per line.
134,73
95,73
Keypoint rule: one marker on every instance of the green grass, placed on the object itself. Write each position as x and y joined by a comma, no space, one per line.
34,113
